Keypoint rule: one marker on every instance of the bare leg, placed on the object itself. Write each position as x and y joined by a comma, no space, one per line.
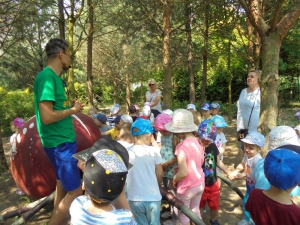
61,211
59,194
214,214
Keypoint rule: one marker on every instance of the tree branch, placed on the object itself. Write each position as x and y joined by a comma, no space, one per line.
276,15
150,17
254,14
80,10
289,20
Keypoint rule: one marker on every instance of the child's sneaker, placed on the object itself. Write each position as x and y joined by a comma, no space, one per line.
215,222
165,215
20,192
168,222
244,222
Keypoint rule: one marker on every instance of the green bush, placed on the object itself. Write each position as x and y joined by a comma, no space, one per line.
18,103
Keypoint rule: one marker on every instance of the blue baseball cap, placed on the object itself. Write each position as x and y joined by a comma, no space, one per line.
282,169
215,105
101,117
254,138
219,121
206,106
141,126
207,130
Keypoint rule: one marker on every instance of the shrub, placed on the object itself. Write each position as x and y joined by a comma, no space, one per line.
18,103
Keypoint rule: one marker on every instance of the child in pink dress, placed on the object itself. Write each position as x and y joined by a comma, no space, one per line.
189,179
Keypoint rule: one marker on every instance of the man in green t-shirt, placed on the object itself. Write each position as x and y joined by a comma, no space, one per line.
54,123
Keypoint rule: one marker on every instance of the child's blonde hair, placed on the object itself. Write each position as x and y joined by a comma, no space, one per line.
124,133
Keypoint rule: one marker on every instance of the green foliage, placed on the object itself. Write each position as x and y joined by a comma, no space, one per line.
217,90
138,95
18,103
81,92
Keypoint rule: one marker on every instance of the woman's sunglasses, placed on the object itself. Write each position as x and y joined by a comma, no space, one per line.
151,85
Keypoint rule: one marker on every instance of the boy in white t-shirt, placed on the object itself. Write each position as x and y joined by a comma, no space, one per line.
220,139
145,175
254,142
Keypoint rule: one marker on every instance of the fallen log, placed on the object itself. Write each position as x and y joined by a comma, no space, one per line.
20,211
27,215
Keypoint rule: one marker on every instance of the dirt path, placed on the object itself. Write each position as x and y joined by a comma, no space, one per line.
230,210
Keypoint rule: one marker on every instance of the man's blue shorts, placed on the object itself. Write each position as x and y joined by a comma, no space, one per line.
65,166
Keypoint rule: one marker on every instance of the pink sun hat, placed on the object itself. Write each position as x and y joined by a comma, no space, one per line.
160,122
19,122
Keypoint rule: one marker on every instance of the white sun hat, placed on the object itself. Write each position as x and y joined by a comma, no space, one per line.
282,135
182,121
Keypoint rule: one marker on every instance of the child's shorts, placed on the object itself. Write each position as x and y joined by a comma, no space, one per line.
211,195
65,166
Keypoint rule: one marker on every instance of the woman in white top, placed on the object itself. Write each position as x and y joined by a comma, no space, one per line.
249,96
154,96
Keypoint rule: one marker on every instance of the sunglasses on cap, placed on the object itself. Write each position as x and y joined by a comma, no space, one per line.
151,85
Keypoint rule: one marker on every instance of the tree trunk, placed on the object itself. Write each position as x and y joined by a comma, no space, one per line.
229,86
270,84
167,90
190,53
115,87
3,162
61,19
71,49
90,54
72,19
257,50
205,56
127,83
250,45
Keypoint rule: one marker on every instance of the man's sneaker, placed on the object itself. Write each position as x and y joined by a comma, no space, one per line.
244,222
215,222
166,215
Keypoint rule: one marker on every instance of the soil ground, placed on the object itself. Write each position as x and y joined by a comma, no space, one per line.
229,214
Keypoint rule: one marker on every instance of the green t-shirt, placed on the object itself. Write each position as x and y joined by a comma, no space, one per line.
50,87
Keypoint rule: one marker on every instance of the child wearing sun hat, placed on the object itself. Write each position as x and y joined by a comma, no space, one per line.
280,136
273,206
212,162
104,178
145,175
164,139
189,180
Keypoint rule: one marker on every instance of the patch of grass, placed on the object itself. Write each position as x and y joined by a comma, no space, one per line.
286,117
